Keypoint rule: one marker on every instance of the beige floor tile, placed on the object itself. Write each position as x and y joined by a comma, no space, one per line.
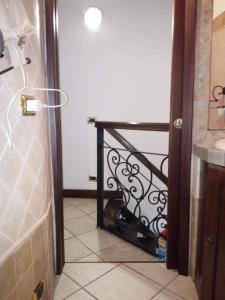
84,273
99,239
87,205
74,249
67,234
124,252
90,258
167,295
80,225
93,215
80,295
123,283
67,202
184,287
155,271
65,287
72,212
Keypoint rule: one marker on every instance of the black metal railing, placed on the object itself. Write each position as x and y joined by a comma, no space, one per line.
142,184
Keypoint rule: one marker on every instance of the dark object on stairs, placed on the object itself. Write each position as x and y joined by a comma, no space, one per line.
120,220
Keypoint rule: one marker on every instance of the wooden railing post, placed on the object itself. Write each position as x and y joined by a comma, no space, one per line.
100,176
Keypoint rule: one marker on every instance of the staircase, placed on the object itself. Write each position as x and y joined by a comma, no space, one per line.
139,214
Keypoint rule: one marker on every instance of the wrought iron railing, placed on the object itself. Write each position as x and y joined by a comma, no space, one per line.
142,208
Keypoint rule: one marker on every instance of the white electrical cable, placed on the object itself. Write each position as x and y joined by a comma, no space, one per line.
6,116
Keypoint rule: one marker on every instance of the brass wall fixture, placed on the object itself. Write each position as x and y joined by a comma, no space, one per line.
23,104
92,178
92,120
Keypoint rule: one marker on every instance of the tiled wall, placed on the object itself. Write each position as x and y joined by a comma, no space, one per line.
25,170
200,117
31,263
201,134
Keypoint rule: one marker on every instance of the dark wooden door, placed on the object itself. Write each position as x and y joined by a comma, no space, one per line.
180,139
210,221
219,288
210,270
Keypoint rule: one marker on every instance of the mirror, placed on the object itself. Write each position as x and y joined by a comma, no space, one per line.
216,120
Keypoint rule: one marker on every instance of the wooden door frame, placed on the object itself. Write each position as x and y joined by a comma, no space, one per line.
182,87
52,70
182,91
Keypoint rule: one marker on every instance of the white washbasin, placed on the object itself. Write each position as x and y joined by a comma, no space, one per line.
220,144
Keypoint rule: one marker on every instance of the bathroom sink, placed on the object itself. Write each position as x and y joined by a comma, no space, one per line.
220,144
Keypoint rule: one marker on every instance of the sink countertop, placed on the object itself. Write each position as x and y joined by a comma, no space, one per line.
210,154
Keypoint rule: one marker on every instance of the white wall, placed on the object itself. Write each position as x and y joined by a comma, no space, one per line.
119,73
218,7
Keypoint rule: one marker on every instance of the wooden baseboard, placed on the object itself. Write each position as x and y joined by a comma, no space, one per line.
69,193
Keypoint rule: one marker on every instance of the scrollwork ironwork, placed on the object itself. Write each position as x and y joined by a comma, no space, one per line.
140,191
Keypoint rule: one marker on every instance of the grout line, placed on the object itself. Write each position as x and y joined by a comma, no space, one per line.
174,293
101,276
91,294
83,287
79,234
76,260
90,249
93,252
74,218
74,237
146,276
72,279
109,261
76,205
90,215
80,287
82,216
165,288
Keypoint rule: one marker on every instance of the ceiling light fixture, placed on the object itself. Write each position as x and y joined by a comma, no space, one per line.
93,18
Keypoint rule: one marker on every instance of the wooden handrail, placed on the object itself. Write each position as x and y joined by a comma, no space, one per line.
164,127
143,159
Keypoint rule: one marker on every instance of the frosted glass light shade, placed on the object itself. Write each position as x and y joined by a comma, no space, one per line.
93,18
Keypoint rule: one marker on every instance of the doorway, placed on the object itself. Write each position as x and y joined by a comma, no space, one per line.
183,16
118,72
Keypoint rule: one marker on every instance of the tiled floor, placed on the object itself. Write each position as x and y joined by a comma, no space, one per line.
93,270
84,242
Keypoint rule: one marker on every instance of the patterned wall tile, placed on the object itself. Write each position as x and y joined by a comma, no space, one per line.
201,134
25,172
